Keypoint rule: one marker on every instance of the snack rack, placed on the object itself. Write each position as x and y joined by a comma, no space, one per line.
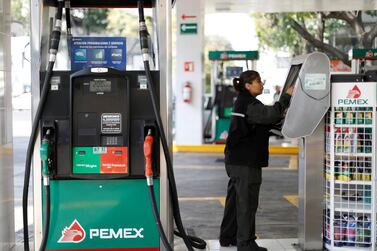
350,186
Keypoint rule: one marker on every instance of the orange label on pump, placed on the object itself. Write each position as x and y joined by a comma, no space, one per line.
115,160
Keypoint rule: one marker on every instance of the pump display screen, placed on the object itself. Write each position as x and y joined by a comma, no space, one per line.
292,77
100,85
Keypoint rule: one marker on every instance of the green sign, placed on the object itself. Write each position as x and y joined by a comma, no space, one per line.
85,160
364,53
189,28
102,215
233,55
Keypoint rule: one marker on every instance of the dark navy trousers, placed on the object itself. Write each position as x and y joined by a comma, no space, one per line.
241,204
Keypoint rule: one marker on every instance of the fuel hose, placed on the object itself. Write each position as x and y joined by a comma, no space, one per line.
54,45
189,241
45,151
69,25
148,149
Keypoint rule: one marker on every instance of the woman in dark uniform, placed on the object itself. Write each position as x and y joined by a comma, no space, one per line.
246,152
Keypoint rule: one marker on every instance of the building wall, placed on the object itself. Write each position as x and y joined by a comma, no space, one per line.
6,150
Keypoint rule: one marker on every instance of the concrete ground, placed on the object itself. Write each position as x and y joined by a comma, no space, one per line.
202,181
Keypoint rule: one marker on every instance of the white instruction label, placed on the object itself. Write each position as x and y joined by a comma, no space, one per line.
111,123
315,81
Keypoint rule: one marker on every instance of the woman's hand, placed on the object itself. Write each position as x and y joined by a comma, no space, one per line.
290,90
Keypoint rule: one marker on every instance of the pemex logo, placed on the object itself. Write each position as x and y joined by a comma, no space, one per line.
369,54
75,233
354,92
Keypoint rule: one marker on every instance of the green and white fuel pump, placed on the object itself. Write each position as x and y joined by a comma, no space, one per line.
100,132
222,92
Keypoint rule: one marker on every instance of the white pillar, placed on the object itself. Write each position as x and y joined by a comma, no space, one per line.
6,152
189,68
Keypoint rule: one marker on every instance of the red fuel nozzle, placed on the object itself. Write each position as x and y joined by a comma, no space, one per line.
148,145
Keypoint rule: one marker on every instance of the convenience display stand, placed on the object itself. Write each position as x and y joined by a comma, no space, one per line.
350,184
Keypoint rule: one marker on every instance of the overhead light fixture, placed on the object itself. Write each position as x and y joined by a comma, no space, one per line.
223,6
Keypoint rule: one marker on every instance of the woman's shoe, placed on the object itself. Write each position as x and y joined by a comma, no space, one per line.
255,247
252,246
227,243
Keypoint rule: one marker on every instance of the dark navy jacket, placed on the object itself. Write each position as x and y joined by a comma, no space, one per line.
250,123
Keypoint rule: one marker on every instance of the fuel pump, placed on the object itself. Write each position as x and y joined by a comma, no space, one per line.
100,130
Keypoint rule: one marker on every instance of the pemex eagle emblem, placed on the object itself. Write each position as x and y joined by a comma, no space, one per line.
75,233
354,92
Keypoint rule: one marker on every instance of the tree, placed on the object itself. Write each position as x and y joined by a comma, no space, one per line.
20,14
271,34
303,32
123,23
218,43
89,21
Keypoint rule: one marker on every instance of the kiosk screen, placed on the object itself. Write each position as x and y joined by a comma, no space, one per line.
292,76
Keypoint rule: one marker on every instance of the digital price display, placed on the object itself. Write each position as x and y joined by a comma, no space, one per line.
100,85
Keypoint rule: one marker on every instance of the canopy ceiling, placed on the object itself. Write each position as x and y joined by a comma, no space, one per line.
247,6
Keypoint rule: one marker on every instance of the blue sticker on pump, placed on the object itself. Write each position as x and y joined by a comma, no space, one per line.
98,52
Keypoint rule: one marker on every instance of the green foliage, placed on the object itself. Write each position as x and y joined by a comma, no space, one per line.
95,20
20,13
333,25
372,13
115,22
216,43
89,21
275,32
122,23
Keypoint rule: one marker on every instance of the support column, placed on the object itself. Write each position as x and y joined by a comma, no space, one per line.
163,14
189,69
7,239
310,194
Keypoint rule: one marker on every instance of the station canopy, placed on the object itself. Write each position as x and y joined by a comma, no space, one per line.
247,6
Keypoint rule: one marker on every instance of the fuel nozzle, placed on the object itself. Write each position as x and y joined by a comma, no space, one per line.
148,149
45,152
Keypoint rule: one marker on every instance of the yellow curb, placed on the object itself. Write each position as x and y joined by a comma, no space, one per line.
293,199
5,150
199,148
290,150
293,162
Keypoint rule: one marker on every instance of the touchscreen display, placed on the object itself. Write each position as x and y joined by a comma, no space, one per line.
292,77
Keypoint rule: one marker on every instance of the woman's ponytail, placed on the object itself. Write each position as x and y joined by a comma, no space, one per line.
237,84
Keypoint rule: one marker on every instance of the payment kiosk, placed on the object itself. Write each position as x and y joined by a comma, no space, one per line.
309,74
